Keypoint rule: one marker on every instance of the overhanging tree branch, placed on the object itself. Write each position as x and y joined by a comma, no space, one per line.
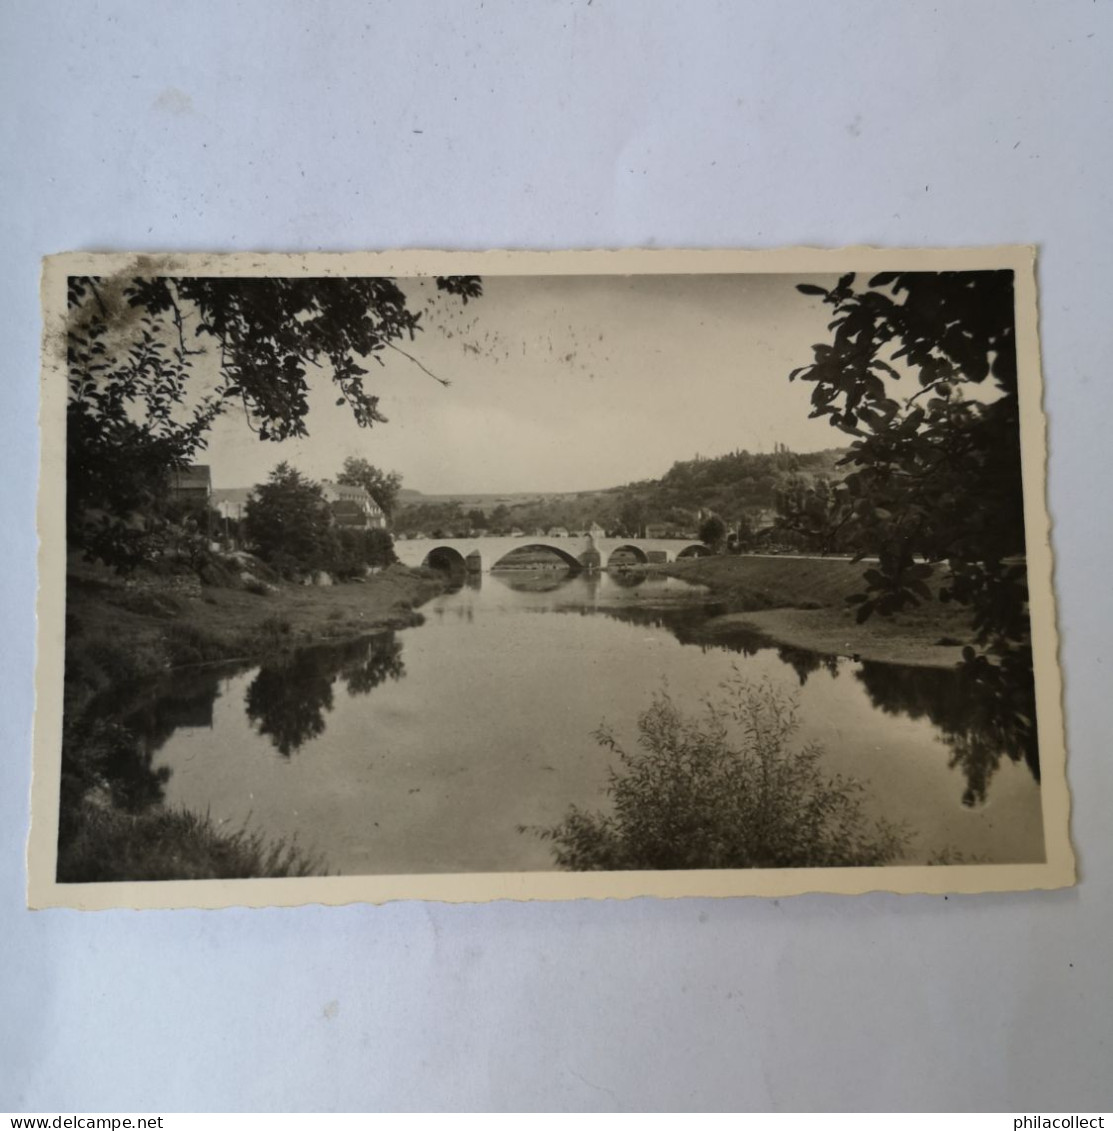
398,349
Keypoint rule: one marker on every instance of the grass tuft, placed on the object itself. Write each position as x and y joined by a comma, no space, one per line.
109,845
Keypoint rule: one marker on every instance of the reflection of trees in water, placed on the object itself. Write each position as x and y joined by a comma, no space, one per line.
287,700
687,625
982,715
684,622
99,754
628,578
804,663
983,712
114,742
656,578
112,745
381,660
540,582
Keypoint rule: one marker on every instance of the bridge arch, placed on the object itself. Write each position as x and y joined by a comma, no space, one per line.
446,559
625,551
695,550
568,559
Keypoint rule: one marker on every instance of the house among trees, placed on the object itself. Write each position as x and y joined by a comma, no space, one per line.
230,502
666,530
353,506
761,518
192,484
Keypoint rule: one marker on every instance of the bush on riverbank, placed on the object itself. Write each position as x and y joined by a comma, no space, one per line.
723,790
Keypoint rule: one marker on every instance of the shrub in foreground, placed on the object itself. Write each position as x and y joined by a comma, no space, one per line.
723,789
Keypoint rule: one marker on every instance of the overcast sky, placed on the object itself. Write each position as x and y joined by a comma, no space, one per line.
568,383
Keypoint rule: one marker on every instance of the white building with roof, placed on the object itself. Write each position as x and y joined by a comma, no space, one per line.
353,506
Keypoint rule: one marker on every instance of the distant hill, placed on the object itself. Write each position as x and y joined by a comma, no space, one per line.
409,497
738,484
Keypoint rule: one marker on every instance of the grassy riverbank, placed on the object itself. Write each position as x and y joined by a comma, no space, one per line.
802,602
117,632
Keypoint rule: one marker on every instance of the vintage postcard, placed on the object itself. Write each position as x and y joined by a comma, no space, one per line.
462,576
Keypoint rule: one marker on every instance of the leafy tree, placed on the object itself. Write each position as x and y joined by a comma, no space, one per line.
501,520
713,531
288,522
350,550
382,486
135,411
631,517
725,789
745,536
815,514
125,430
936,475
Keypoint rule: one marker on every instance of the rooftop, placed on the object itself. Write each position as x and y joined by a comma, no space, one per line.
194,476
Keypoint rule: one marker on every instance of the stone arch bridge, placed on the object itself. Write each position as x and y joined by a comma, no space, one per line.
577,551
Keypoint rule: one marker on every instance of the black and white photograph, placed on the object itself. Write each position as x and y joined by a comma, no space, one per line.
556,560
467,576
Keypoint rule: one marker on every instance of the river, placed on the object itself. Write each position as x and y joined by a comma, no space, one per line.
442,747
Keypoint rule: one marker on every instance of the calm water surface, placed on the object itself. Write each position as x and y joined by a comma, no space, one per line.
425,750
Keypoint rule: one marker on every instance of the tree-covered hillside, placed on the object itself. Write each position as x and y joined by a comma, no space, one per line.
735,485
741,486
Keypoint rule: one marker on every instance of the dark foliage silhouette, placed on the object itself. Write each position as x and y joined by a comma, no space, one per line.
724,789
136,411
971,720
288,700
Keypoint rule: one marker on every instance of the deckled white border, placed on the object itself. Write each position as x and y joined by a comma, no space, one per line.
43,891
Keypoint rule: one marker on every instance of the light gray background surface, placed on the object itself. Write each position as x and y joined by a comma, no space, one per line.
294,126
